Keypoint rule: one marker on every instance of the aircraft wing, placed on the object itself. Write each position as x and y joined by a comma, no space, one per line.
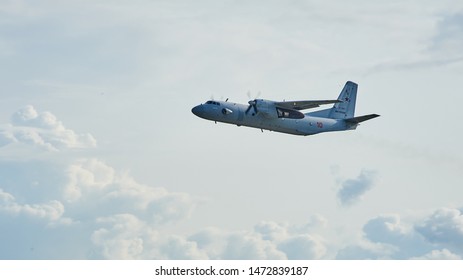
305,104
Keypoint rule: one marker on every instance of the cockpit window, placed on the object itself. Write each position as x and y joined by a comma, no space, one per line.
213,103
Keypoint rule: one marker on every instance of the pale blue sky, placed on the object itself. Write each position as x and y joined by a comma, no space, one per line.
101,156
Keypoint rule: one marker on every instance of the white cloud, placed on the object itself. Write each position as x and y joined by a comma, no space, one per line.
438,236
353,190
443,254
124,236
6,137
178,248
366,250
51,211
98,185
42,130
267,240
270,230
445,227
250,246
114,215
303,247
87,176
385,229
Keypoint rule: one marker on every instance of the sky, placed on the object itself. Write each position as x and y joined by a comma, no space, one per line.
101,157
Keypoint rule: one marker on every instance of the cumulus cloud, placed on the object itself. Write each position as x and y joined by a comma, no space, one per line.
250,246
438,236
443,254
99,186
105,212
113,215
303,247
445,227
353,190
270,230
385,229
42,130
267,240
51,211
125,236
365,250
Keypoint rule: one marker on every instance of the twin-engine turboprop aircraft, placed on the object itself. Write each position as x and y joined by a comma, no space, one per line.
286,116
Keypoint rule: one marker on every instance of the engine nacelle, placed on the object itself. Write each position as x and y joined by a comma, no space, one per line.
267,108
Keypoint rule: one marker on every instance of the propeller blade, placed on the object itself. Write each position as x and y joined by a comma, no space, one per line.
252,104
247,110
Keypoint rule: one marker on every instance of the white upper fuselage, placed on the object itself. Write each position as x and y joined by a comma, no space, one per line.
268,117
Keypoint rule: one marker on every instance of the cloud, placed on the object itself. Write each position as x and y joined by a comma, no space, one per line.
250,246
99,186
107,213
443,48
42,130
438,236
449,35
271,230
113,215
303,247
51,211
443,254
444,227
125,236
267,240
384,229
365,250
352,190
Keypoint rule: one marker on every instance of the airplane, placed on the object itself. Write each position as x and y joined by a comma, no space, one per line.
286,116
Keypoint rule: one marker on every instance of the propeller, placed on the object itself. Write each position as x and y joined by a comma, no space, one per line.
252,103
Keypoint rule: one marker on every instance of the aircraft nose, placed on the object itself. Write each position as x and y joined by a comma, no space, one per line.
197,110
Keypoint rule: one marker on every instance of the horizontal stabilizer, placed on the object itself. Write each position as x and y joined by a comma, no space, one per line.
361,118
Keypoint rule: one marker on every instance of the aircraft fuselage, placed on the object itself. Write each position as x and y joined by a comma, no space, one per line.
268,118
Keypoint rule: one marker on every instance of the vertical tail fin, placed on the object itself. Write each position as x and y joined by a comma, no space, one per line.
346,108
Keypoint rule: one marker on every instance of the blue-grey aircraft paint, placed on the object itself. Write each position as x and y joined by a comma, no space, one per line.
285,116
